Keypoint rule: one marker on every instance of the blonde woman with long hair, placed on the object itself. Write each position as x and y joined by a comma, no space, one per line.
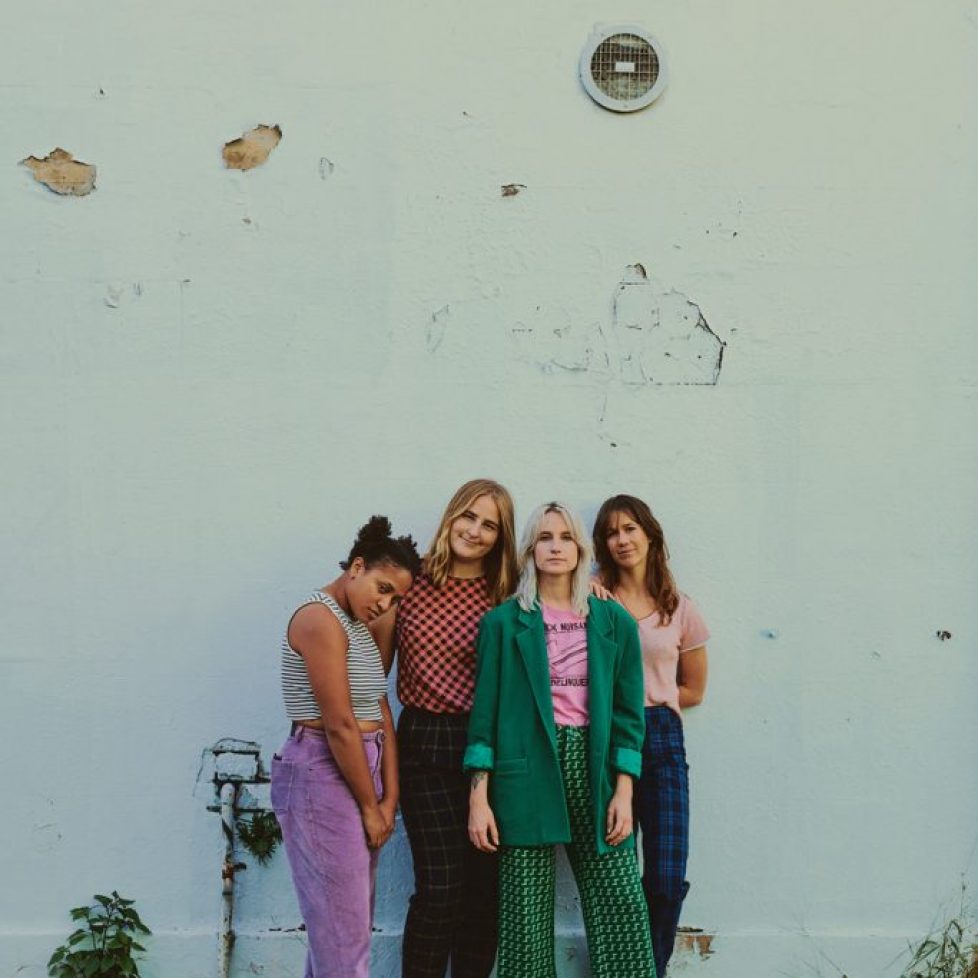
469,568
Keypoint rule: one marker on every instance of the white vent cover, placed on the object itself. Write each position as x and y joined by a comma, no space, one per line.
623,67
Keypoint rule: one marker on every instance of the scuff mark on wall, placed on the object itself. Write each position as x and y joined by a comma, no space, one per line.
115,295
436,328
512,189
61,172
252,148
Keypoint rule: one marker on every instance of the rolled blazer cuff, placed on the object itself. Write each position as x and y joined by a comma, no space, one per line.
479,757
627,761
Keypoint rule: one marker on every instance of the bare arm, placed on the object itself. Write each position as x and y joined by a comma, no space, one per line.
388,767
482,822
317,635
691,677
618,822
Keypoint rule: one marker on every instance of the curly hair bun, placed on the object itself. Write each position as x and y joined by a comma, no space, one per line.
375,530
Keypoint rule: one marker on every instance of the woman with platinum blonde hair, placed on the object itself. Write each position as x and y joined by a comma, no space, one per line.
555,740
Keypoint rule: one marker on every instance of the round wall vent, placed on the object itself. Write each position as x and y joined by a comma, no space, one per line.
623,67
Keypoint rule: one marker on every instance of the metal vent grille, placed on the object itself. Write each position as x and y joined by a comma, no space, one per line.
622,68
625,66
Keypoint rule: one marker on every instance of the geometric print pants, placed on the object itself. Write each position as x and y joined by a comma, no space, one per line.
615,914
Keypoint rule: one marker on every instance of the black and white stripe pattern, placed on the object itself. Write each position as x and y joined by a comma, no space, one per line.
368,684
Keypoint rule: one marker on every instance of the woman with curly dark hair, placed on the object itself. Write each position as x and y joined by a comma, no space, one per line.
334,784
633,563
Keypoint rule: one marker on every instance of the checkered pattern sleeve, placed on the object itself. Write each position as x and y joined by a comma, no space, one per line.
436,633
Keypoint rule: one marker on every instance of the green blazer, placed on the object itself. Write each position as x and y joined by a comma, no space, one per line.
512,732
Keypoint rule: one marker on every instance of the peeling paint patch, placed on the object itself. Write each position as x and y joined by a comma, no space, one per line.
61,172
692,939
252,148
661,337
115,295
326,168
512,189
656,337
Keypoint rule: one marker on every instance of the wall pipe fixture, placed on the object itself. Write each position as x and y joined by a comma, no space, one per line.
225,944
236,767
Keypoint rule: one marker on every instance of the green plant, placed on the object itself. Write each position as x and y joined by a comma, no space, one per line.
260,834
948,953
104,947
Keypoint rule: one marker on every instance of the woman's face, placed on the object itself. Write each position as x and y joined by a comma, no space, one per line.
555,553
474,533
372,591
627,542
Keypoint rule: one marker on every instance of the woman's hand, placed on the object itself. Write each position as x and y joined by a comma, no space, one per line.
600,591
482,823
388,809
375,826
618,825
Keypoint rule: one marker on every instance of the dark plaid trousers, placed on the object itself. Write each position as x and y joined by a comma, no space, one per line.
453,914
661,804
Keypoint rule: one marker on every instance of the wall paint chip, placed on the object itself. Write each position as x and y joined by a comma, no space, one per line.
61,172
252,148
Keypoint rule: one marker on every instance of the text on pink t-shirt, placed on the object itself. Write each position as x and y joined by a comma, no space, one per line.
566,633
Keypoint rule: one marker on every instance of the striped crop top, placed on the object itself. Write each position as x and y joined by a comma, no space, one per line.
365,669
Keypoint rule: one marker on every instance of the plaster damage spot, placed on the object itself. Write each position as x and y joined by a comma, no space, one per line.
326,168
656,337
61,172
661,336
252,148
692,939
512,189
115,295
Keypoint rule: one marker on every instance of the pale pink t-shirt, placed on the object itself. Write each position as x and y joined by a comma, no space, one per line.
566,633
661,646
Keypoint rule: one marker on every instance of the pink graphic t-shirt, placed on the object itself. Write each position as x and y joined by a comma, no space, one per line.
566,633
663,644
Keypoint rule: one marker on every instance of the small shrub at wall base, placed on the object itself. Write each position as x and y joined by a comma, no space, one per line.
260,834
105,944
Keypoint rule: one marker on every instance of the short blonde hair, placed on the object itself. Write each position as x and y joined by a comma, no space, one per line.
500,562
526,588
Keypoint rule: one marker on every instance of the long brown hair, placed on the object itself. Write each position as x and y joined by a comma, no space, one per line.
658,578
500,562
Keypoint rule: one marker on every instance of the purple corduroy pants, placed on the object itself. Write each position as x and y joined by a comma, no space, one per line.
332,868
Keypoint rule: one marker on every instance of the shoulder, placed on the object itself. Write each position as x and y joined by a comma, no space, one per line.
502,614
611,610
313,624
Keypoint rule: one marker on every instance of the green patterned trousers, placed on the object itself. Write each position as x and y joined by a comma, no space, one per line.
616,919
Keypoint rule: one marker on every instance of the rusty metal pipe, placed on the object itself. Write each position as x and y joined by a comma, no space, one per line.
229,794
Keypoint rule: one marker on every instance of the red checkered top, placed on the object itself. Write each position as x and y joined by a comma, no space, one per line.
436,632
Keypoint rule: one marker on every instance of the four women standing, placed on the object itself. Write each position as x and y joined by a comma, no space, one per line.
551,729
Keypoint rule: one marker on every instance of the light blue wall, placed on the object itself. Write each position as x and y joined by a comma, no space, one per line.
209,378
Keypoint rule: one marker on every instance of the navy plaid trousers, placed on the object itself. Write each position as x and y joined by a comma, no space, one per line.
453,914
661,808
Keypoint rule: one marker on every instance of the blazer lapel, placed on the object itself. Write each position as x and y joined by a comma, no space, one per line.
532,644
601,650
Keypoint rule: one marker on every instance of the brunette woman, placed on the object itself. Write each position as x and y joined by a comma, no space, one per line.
633,562
554,743
469,568
334,784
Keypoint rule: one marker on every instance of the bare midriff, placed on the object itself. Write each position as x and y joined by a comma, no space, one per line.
366,726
